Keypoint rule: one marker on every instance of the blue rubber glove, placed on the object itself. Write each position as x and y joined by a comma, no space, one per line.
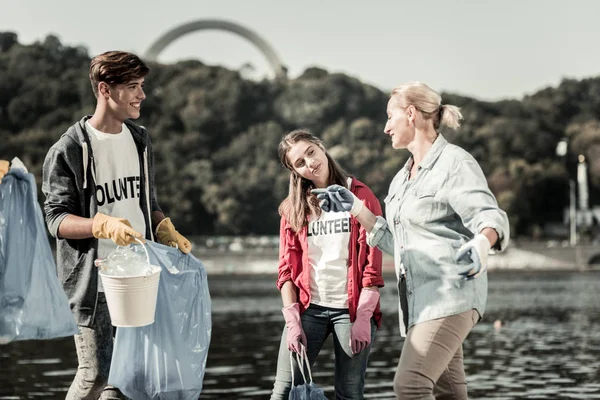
476,252
337,198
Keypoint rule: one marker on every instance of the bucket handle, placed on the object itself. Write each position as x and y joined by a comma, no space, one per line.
143,247
145,250
100,262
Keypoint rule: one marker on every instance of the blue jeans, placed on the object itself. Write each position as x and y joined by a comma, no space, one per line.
318,322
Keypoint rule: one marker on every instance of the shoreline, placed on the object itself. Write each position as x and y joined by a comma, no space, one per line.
239,258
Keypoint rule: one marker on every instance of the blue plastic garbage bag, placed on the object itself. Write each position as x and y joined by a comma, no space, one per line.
308,390
33,304
166,360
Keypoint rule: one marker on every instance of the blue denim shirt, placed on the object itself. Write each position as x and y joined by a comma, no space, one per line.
428,219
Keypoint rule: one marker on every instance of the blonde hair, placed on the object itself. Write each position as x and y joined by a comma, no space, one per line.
429,103
300,202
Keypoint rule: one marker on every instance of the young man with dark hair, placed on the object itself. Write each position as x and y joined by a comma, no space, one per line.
98,180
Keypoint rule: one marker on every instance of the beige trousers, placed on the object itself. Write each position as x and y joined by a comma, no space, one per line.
431,363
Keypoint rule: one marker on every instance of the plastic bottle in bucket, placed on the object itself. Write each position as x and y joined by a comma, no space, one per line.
131,298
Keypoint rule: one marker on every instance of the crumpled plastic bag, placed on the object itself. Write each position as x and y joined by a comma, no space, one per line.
167,359
33,304
307,390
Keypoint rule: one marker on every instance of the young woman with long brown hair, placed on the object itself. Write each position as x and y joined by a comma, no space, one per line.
329,277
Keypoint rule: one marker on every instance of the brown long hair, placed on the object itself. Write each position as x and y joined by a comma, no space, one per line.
300,203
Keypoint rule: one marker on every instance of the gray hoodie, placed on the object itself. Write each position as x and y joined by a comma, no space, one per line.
69,186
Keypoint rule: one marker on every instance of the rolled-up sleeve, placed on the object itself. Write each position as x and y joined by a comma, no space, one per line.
471,198
372,271
381,236
59,189
287,250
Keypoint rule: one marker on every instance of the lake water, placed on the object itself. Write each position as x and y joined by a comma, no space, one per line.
547,348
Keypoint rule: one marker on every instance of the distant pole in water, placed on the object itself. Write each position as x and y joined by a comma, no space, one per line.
562,151
572,214
583,183
584,194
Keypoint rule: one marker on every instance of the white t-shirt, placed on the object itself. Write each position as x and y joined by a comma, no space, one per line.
118,180
328,240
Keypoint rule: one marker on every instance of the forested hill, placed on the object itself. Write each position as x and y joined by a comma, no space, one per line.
215,134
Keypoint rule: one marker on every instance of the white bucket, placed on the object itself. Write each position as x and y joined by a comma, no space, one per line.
132,299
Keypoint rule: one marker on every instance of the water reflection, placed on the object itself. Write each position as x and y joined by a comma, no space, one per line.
547,348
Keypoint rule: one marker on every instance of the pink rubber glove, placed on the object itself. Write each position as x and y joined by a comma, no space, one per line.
360,333
295,334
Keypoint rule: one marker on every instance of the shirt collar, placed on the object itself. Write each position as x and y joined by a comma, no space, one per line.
431,156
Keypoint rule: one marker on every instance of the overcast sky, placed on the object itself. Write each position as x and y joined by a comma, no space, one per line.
481,48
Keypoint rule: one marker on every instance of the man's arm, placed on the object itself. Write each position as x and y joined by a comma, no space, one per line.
157,217
60,191
74,227
62,197
154,207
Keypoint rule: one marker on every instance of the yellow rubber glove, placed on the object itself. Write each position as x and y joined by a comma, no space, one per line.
167,235
3,168
118,229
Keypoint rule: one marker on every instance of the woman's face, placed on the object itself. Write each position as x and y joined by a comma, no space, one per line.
310,162
400,123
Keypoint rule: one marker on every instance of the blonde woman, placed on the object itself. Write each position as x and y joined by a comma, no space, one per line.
442,221
329,277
